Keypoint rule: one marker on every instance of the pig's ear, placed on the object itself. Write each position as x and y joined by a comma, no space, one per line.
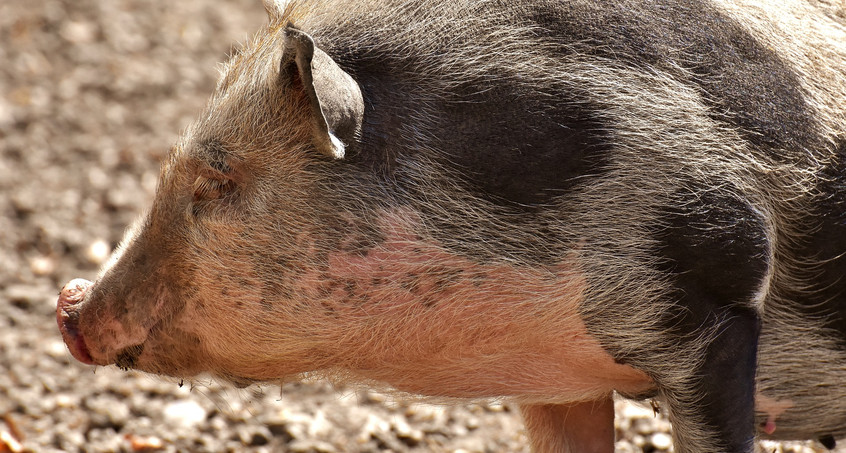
335,100
275,9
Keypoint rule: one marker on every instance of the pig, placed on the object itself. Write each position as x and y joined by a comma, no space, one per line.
543,201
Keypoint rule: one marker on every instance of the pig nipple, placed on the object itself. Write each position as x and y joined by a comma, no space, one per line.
769,425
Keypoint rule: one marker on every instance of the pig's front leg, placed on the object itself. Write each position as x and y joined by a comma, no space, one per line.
712,406
586,427
718,257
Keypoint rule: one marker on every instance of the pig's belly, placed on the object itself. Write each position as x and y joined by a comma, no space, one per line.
559,369
430,322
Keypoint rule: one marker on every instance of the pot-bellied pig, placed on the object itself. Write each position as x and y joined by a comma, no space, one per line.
543,201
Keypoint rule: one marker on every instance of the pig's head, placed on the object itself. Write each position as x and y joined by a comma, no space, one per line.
233,252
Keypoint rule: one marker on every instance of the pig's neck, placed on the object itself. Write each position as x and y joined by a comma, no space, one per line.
427,321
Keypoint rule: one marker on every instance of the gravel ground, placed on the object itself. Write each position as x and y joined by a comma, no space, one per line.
91,96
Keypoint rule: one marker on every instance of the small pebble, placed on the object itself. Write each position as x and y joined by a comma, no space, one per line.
42,266
98,252
661,441
405,432
144,443
57,349
633,410
186,413
9,443
309,446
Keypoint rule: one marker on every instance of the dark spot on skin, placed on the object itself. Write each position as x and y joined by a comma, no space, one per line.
274,271
450,276
267,305
479,278
188,291
499,138
544,138
277,286
328,309
127,358
352,293
715,250
325,289
350,286
283,261
141,259
410,283
355,236
745,83
360,244
542,149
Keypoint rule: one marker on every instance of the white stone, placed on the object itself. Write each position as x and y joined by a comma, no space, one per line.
186,413
98,251
633,410
661,441
42,265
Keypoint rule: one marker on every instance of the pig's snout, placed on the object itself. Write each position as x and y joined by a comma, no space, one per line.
67,316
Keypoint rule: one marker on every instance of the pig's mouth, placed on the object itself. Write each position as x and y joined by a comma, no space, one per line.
67,317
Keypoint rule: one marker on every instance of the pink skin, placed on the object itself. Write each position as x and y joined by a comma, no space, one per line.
492,330
67,317
431,322
773,408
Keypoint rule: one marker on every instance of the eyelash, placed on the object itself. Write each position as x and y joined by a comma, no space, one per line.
209,189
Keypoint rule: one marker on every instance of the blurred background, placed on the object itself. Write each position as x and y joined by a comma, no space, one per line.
92,94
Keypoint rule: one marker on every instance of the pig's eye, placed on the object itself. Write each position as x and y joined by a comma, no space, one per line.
210,189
